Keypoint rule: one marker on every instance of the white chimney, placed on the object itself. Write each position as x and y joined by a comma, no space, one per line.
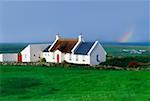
80,37
57,36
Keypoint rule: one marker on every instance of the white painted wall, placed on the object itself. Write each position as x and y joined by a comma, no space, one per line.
9,57
33,52
36,51
61,56
98,50
1,57
26,54
52,56
48,56
77,59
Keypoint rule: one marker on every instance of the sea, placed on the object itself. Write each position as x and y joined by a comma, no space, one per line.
17,47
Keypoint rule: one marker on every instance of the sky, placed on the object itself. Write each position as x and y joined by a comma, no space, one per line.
103,20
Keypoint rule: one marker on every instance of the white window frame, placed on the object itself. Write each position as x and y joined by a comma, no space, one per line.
83,58
53,55
77,58
70,57
25,56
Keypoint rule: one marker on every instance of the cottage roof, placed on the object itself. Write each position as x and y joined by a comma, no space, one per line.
83,48
46,49
64,45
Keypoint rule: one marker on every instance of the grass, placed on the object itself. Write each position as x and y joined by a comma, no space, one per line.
72,84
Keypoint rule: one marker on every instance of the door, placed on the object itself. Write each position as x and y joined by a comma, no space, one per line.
57,58
19,58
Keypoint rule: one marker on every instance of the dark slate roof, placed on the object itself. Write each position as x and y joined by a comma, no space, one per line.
46,49
83,48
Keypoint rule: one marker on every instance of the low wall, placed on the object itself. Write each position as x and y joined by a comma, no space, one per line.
98,67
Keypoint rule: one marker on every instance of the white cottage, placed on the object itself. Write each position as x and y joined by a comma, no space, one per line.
32,53
75,51
56,53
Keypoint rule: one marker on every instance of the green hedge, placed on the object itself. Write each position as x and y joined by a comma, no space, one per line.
123,62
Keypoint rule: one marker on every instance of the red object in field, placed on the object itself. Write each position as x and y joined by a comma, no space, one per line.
57,58
19,58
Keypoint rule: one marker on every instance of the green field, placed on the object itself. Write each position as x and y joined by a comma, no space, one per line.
35,83
72,84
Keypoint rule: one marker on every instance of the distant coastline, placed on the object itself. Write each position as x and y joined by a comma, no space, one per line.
127,43
17,47
103,43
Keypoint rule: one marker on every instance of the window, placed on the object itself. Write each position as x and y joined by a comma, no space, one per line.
53,55
76,57
69,56
34,55
25,55
97,58
83,58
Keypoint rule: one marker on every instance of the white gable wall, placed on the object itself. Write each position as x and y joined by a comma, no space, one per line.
98,50
1,57
26,54
33,52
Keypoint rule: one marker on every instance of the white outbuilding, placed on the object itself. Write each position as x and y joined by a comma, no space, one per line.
32,53
8,57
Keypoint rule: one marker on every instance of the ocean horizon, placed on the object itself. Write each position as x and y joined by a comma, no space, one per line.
17,47
103,43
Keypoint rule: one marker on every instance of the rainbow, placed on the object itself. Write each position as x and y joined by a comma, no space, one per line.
126,37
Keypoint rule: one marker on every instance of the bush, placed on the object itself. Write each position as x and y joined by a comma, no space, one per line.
43,60
133,64
124,61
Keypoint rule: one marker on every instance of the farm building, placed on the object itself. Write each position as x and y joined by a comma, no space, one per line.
29,53
32,53
10,54
75,51
8,57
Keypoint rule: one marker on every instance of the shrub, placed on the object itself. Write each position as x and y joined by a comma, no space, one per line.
124,61
43,60
133,64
